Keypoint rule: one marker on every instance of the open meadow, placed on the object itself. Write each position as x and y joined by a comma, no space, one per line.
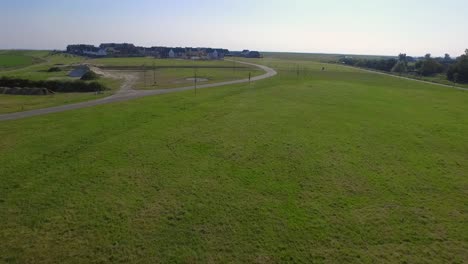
16,59
310,166
44,60
147,74
172,73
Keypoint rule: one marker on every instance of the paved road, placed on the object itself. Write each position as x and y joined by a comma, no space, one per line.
127,93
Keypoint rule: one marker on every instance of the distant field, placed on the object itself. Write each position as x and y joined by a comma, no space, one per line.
148,61
172,73
16,60
320,57
168,73
334,166
39,71
16,103
180,77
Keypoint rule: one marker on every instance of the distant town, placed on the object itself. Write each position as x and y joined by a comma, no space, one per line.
130,50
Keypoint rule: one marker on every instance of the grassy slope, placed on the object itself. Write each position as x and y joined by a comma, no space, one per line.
340,166
39,71
166,78
14,60
176,77
149,61
10,59
171,78
16,103
298,58
323,57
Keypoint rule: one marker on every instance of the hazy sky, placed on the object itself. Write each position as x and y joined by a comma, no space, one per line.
326,26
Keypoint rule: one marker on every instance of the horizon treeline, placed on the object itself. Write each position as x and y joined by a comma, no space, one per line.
455,69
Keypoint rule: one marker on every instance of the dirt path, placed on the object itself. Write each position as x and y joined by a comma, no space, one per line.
126,93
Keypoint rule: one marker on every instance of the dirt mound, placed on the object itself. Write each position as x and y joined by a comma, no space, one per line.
24,91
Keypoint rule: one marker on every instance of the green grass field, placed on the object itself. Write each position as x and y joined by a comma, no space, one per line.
15,103
149,62
321,57
180,77
170,73
14,60
39,71
17,59
340,166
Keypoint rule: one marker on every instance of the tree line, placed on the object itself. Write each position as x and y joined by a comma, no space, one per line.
456,70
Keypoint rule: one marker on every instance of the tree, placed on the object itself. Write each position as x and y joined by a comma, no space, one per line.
402,57
427,56
466,52
400,67
430,67
459,71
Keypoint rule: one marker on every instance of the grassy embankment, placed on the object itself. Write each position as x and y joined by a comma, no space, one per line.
337,166
170,73
294,58
43,61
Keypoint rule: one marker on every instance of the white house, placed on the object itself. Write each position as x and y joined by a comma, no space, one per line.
99,53
171,54
214,55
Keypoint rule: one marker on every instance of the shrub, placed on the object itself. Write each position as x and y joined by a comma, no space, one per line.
90,75
400,67
55,86
459,71
430,67
54,69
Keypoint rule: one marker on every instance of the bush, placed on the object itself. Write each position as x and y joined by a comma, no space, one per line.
430,67
376,64
90,75
54,69
459,71
55,86
400,67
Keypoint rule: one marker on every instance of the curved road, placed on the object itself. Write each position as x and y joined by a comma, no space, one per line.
127,93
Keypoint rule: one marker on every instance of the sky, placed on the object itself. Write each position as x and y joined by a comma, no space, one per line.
379,27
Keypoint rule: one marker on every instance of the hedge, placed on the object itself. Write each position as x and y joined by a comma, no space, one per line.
55,86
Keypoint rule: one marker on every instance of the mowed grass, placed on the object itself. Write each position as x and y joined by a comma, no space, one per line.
19,103
16,59
150,61
181,77
330,167
322,57
39,71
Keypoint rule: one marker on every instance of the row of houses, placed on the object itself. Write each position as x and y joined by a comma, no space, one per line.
130,50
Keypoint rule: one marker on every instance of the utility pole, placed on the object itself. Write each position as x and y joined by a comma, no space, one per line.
154,74
195,80
144,74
